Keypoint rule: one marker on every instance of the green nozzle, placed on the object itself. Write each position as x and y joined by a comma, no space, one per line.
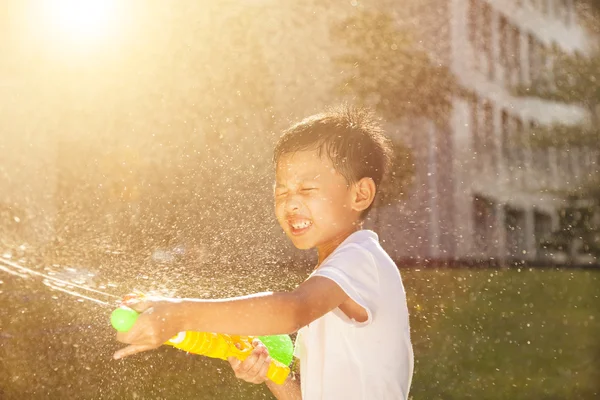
123,318
280,347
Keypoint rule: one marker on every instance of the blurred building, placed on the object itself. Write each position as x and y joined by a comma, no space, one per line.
506,191
481,192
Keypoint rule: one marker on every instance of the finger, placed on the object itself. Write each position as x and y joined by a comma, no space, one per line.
260,375
250,361
130,350
256,342
129,337
265,369
255,369
235,363
124,337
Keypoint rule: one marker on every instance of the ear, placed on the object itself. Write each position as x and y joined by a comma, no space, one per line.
363,194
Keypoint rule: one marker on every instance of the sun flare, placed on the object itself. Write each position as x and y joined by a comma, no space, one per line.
80,20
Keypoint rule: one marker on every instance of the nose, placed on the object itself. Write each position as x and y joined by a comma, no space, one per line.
292,204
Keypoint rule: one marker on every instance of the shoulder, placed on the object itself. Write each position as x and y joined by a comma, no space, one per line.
350,254
360,245
351,264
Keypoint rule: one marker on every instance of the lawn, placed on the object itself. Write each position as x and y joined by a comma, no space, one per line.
505,334
477,334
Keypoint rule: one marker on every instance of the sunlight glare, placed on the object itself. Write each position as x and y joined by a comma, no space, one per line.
81,19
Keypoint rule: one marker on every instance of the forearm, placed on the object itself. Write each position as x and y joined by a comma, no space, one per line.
259,314
290,390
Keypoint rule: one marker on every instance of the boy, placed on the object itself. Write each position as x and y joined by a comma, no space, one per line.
353,340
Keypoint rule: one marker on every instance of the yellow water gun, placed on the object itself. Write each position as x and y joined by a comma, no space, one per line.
218,345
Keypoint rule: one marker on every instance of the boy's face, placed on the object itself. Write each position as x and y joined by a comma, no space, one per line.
313,202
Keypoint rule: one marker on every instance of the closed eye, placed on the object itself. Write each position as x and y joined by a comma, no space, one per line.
306,190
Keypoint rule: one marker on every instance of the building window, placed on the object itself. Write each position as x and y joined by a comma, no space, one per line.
476,134
505,137
486,36
484,222
541,156
542,226
544,61
489,142
565,164
518,145
553,55
591,157
516,152
515,232
515,56
535,58
505,44
473,26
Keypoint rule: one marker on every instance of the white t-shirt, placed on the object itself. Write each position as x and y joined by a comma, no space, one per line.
344,359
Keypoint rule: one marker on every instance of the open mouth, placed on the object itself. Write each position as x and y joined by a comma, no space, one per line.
298,227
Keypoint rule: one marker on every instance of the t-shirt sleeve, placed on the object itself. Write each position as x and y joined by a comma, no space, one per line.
298,346
354,270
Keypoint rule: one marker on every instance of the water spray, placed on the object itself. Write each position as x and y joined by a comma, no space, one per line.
55,283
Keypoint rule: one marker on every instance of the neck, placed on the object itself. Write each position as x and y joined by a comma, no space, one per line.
326,249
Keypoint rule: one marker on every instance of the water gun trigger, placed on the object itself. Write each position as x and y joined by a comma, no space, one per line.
242,347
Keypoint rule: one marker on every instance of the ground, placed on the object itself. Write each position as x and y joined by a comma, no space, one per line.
477,334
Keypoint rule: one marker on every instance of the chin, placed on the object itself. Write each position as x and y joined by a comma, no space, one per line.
301,243
303,246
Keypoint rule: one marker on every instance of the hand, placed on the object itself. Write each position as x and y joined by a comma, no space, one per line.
254,368
153,327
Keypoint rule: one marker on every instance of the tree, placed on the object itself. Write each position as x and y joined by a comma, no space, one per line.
589,13
382,67
399,178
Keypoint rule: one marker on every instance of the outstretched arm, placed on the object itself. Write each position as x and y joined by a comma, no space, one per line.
259,314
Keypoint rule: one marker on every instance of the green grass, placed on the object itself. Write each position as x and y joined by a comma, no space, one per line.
505,334
477,334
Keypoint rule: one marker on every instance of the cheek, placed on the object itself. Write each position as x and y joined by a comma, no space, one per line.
279,210
323,208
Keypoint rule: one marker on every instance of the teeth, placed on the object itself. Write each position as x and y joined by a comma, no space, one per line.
301,225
